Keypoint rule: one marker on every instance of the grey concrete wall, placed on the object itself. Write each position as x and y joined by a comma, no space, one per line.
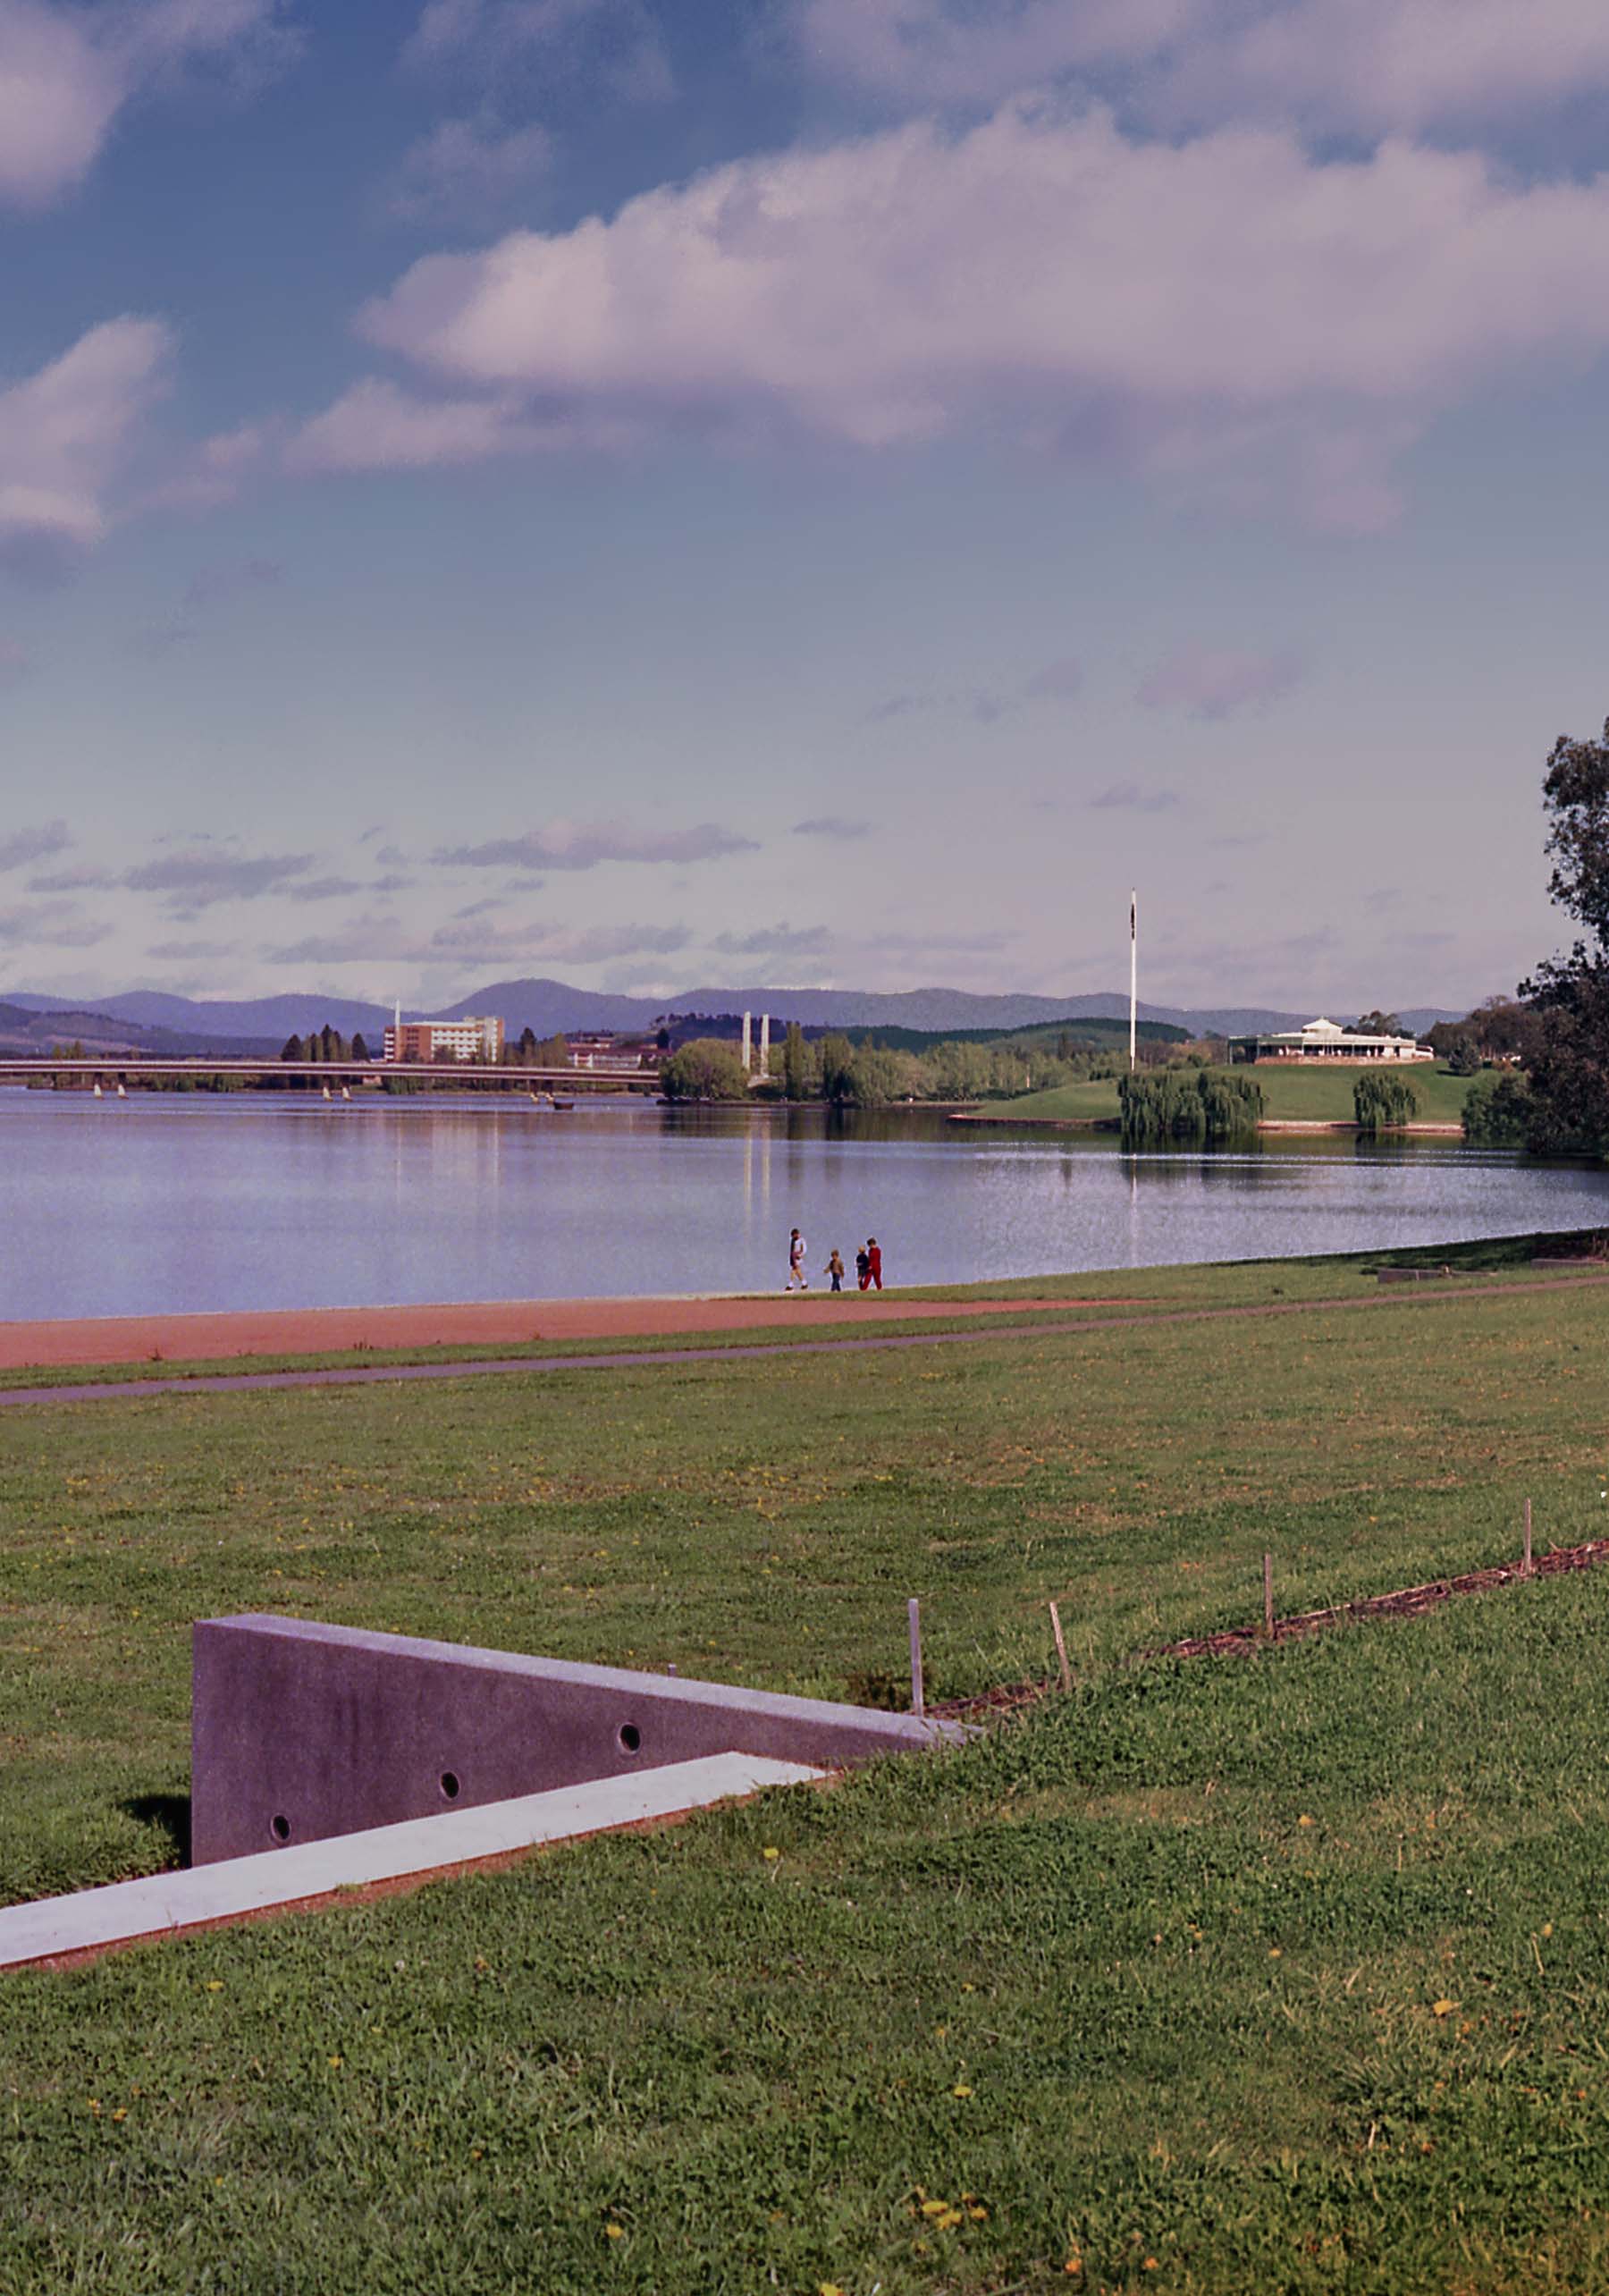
300,1731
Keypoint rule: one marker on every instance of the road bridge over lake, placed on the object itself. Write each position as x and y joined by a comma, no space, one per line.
81,1075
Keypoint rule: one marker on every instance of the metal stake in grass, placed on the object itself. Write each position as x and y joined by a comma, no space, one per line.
1528,1540
1268,1594
1061,1648
918,1701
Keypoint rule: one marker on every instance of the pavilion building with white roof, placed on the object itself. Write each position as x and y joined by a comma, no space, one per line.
1327,1040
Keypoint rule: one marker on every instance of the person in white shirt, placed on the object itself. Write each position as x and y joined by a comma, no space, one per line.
796,1277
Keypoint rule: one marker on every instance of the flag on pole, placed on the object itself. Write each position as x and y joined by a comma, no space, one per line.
1133,917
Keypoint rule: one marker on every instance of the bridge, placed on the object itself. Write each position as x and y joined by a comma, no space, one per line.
110,1068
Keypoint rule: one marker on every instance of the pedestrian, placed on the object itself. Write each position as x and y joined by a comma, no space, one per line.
874,1263
862,1267
795,1263
835,1268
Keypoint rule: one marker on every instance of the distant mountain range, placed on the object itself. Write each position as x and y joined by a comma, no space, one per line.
27,1031
548,1006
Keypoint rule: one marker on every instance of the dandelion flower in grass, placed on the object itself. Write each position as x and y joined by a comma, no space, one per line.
615,2231
1443,2008
961,2089
770,1853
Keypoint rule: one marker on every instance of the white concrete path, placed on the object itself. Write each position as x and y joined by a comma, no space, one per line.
167,1904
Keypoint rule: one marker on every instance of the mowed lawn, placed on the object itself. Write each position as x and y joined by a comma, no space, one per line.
1314,1095
1289,1972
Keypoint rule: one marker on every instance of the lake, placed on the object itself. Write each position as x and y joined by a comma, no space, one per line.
175,1202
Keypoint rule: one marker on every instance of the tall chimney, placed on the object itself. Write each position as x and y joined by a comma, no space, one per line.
748,1045
765,1044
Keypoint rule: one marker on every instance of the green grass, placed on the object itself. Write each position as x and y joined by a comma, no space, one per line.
1194,2028
1289,1094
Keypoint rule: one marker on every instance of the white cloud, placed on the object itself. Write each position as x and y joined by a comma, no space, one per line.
1209,681
66,74
1231,315
1392,66
467,166
65,433
834,826
923,52
465,941
204,874
1370,66
49,924
25,845
585,844
376,426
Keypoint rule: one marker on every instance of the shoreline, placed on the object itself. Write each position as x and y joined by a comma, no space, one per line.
1274,1124
198,1335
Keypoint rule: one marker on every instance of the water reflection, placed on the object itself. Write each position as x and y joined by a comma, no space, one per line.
111,1208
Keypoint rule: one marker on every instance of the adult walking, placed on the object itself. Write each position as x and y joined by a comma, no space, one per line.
797,1277
873,1263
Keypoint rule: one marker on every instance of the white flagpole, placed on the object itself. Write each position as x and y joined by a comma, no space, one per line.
1134,970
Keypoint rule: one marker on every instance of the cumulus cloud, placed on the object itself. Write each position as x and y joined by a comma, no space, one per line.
833,825
376,426
467,166
1368,66
35,844
1212,682
1389,66
67,74
204,874
585,844
65,433
79,880
1231,313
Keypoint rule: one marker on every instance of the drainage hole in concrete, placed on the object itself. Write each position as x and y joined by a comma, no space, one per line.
449,1784
631,1737
279,1828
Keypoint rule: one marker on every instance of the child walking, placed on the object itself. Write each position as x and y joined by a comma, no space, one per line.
835,1268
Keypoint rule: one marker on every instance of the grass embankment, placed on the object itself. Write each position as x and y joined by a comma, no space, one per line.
1287,1973
1291,1095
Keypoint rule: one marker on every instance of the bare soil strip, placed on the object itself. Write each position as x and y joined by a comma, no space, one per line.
633,1359
484,1323
1406,1602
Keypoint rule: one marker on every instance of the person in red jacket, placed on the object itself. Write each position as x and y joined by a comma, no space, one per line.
874,1275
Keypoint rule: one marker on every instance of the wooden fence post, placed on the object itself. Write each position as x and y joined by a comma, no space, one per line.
1061,1648
918,1698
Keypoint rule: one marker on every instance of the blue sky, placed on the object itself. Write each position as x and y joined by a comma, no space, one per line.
823,491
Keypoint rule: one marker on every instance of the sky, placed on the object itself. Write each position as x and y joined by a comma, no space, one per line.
824,491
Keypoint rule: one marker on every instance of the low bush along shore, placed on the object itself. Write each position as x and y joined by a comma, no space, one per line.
1283,1972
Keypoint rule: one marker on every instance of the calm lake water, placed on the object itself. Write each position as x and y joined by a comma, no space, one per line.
155,1203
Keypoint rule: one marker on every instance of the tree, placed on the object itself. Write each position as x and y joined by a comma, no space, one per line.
1463,1059
361,1050
1382,1103
1379,1024
293,1049
1569,1062
704,1069
795,1064
1497,1111
838,1082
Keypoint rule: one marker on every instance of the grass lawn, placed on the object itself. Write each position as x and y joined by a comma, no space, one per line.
1287,1974
1313,1095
